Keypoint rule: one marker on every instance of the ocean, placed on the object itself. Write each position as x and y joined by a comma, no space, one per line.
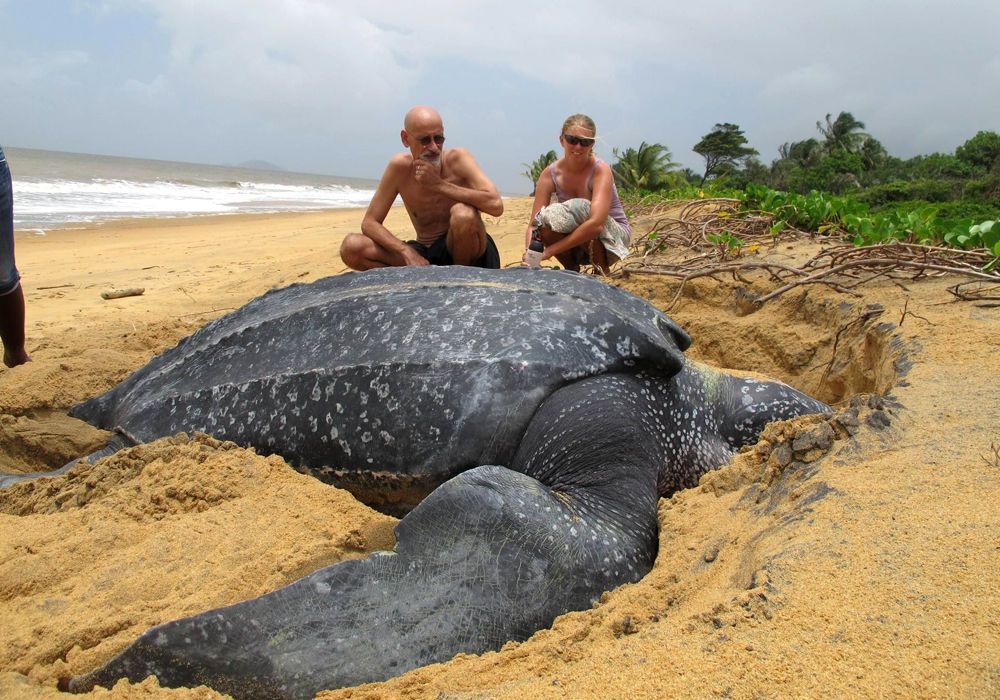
53,189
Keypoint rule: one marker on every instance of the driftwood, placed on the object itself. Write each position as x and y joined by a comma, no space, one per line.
119,293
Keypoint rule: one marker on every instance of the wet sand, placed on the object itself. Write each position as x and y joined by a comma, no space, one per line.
866,568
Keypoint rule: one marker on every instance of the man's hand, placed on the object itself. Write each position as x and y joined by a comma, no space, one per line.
427,174
412,257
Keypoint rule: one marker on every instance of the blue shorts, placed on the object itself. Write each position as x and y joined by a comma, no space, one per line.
9,277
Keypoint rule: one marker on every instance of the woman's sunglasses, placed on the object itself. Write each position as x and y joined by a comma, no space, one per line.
426,140
578,140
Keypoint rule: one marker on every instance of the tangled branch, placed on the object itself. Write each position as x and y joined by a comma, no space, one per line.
699,225
710,238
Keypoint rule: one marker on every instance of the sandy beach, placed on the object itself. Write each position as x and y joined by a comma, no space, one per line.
865,564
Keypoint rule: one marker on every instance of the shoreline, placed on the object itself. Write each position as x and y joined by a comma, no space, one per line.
181,219
160,221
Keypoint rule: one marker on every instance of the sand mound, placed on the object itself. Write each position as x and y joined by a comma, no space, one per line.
156,532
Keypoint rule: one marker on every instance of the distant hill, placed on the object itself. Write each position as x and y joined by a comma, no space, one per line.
259,165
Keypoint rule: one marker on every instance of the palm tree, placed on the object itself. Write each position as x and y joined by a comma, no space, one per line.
647,167
843,133
805,154
873,153
534,170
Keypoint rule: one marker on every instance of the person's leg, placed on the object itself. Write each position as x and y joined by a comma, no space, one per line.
599,255
359,252
12,328
11,294
562,220
490,259
466,234
569,258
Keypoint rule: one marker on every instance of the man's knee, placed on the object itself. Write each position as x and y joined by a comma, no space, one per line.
465,218
351,250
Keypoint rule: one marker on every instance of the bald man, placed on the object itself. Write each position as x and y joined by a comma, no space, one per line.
444,192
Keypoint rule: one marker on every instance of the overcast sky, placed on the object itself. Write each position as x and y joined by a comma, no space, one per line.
321,86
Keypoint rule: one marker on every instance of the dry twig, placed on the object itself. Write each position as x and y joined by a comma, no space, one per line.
976,290
994,459
907,312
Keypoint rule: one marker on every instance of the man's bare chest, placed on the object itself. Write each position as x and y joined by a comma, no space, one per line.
426,207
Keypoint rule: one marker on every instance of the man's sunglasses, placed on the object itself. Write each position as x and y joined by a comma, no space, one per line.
426,140
578,140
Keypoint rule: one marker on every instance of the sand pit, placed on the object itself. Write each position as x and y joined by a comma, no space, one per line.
855,556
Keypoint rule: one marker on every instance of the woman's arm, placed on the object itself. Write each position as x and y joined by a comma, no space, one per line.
544,190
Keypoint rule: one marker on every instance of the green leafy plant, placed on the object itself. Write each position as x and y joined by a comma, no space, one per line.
535,168
982,235
648,167
726,241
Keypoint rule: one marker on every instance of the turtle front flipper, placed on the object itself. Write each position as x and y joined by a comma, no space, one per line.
117,441
492,555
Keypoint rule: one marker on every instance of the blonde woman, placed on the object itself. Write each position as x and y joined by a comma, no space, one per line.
588,224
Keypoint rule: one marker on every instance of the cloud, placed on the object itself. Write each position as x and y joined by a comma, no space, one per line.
802,82
322,85
22,69
286,60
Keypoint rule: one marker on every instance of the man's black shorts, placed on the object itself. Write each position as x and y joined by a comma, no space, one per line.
437,253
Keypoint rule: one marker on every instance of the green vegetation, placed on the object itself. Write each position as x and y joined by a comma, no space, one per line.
724,149
842,182
535,168
824,213
645,168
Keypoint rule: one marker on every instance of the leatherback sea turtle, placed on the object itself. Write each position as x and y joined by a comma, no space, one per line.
553,410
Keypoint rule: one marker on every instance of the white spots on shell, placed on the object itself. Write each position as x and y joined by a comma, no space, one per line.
626,347
345,447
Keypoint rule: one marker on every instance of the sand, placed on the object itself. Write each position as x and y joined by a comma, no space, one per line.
852,557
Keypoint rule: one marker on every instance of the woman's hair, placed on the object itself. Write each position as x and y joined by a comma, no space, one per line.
580,120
